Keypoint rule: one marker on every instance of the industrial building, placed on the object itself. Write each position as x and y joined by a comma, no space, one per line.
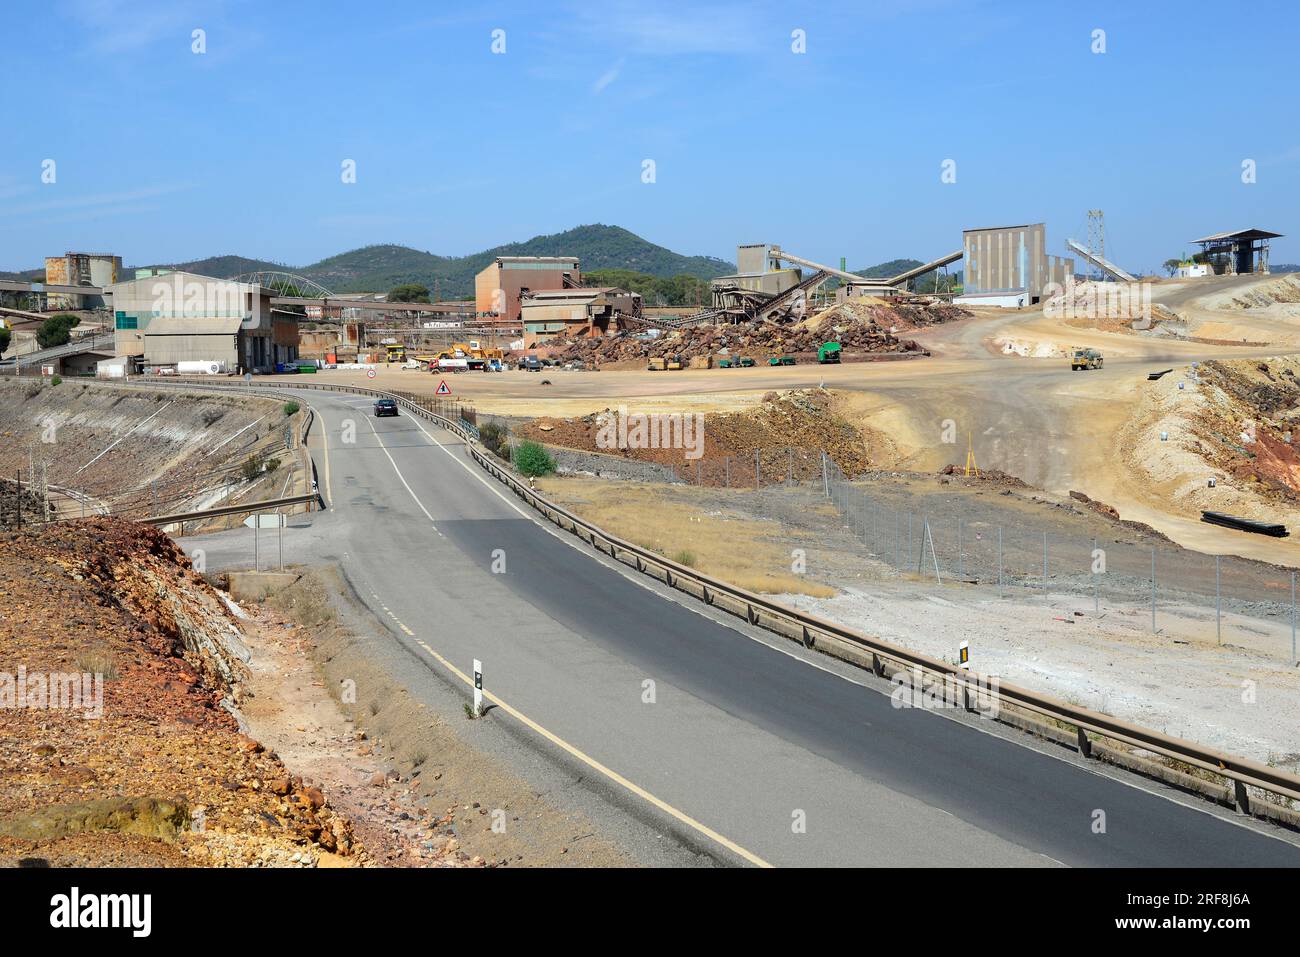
1236,253
500,286
759,276
578,313
81,269
163,320
1009,266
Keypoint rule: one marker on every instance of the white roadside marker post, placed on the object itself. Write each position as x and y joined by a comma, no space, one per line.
963,655
478,688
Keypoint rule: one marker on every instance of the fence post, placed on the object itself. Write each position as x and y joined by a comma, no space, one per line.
1096,582
1153,589
826,479
1218,603
999,561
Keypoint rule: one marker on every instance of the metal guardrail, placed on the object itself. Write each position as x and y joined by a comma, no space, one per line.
763,612
238,509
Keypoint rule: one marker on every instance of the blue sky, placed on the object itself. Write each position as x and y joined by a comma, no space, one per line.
163,154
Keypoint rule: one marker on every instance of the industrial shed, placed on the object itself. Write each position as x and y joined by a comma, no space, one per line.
575,313
168,341
1236,253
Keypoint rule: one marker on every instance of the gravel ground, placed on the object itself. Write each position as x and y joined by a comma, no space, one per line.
1242,695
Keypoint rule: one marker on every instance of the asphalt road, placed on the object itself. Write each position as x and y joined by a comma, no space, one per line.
746,736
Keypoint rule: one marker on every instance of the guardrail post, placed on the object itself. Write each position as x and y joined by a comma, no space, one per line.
1241,796
1085,743
877,668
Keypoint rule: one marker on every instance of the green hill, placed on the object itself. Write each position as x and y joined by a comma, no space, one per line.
380,268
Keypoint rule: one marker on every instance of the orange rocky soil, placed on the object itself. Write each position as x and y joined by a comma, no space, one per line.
789,429
164,775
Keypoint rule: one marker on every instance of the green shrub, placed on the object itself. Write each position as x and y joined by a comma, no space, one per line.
685,558
56,379
532,459
291,408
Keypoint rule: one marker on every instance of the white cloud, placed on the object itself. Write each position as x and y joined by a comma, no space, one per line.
608,77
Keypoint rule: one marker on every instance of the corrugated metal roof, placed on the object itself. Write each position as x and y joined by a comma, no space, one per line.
1240,234
198,326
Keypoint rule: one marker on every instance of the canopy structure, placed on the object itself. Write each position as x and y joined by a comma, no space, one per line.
1234,253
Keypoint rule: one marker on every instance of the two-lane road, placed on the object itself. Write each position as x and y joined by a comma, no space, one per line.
743,745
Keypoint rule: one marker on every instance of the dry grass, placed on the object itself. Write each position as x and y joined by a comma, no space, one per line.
750,554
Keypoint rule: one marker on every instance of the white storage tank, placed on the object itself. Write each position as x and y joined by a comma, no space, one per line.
200,367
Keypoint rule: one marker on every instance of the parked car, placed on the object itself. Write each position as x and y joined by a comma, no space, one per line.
530,363
385,407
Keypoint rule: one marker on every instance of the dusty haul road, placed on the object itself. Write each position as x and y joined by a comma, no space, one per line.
1026,415
753,750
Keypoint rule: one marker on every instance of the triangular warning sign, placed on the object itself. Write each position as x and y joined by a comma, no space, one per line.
443,388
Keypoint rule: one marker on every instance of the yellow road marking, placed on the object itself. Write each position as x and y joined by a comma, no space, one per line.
608,772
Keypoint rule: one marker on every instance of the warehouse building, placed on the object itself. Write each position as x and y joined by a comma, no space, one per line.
500,287
184,317
1009,266
578,313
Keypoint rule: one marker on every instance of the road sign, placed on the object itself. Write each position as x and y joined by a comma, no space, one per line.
478,687
265,520
443,388
964,655
370,373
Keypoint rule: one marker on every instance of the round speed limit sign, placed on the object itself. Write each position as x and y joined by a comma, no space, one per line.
370,373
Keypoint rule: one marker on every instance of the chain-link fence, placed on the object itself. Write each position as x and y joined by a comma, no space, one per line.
951,541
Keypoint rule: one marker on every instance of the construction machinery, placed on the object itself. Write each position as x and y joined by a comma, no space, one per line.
1082,359
828,353
395,353
781,361
675,362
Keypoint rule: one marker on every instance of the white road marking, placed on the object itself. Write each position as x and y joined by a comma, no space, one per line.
400,476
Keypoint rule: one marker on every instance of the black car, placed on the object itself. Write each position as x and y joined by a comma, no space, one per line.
385,407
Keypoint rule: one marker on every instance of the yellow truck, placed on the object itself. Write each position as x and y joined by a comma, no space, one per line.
1082,359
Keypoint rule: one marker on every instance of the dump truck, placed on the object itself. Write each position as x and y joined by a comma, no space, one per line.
829,352
744,362
658,365
781,361
1085,359
675,362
